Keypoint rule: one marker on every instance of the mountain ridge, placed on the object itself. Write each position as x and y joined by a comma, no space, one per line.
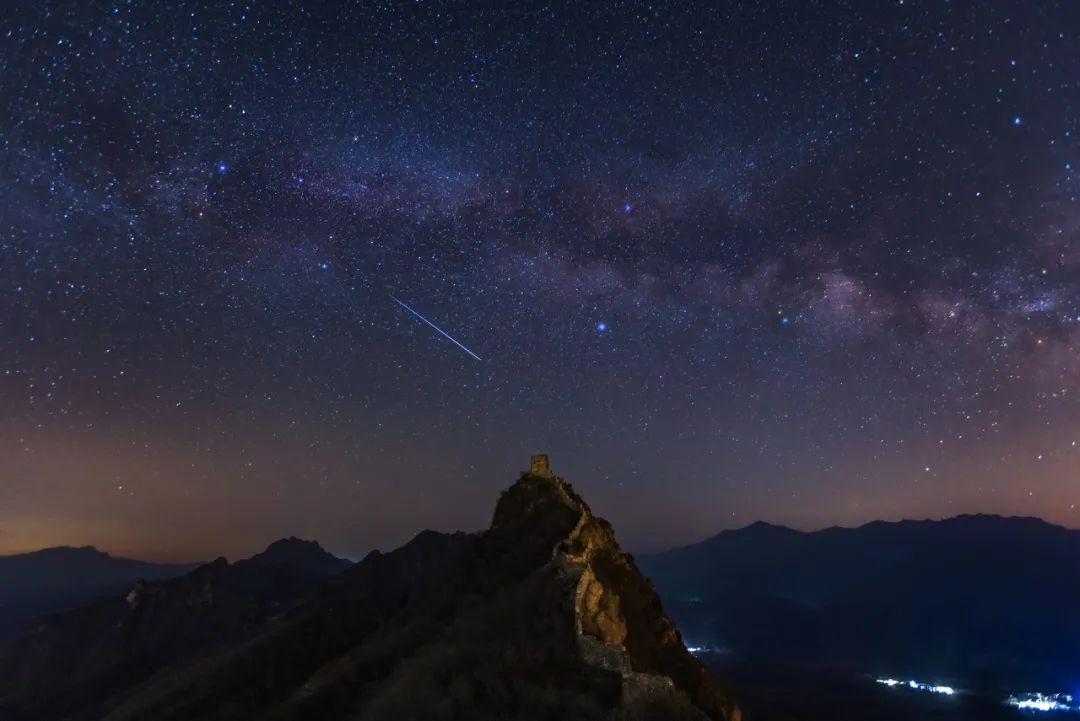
768,525
539,616
123,638
62,578
975,597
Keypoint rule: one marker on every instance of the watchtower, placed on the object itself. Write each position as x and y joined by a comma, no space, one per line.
539,466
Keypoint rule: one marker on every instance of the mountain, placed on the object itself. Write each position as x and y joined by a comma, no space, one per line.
985,600
541,616
76,660
60,579
300,557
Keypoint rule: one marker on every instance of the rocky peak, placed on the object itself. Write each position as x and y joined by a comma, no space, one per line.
535,498
294,544
300,555
620,623
290,548
541,616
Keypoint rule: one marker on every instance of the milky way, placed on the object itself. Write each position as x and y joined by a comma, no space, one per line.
812,263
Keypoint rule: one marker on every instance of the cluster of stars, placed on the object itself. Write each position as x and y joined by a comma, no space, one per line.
724,261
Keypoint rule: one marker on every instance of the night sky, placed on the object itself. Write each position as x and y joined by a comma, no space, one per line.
807,262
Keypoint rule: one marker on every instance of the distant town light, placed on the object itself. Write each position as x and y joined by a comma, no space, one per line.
1043,702
918,686
1026,701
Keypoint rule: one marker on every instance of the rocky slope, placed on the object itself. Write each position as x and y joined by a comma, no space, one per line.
539,617
75,661
619,623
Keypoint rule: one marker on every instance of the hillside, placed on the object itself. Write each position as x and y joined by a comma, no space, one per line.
986,600
59,579
75,661
539,617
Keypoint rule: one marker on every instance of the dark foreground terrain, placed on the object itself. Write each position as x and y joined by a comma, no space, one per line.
543,617
539,617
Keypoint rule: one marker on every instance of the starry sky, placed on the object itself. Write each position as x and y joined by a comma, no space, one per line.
809,262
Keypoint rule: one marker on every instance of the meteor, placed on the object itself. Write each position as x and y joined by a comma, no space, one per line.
446,335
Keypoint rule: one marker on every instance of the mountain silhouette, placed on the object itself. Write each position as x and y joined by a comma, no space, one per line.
62,578
541,616
986,600
75,660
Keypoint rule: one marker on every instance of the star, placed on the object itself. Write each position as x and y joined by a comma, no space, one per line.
226,217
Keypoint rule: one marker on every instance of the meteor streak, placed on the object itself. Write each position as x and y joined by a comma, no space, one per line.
446,335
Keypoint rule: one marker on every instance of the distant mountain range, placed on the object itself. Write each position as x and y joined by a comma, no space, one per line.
987,600
539,617
77,659
542,616
60,579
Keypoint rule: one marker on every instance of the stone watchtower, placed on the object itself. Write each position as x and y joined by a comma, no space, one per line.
539,466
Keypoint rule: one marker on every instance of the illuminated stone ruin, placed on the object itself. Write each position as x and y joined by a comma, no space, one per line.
539,466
